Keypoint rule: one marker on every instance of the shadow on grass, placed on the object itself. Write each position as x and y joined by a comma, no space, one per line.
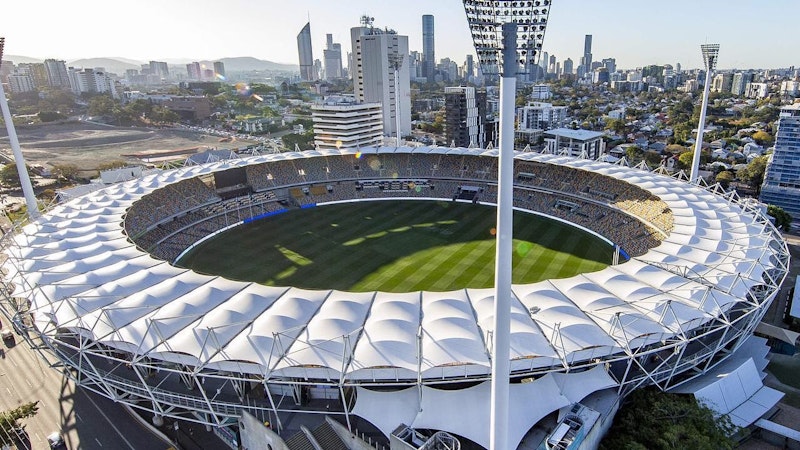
336,246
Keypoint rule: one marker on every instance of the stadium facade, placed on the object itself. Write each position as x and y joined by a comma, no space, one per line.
91,283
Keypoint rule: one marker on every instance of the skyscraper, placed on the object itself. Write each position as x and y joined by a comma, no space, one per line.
305,54
333,58
159,68
586,60
470,68
56,73
465,116
376,54
568,66
193,71
740,80
781,181
428,52
610,64
219,68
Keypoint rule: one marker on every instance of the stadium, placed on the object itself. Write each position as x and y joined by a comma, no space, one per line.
94,283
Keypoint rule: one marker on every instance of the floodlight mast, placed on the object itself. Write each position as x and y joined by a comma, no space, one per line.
507,36
24,179
710,53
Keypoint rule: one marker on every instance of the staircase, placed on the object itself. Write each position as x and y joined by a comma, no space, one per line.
327,438
299,442
323,437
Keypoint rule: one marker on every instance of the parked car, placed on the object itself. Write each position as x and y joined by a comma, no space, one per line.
8,336
56,440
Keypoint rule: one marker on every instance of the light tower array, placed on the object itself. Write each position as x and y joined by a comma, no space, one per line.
710,53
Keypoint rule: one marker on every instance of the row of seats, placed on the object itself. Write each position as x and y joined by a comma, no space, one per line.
182,212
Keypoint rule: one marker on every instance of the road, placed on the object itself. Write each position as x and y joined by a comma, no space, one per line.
86,420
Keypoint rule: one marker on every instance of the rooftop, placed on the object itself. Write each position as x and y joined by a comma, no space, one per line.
581,135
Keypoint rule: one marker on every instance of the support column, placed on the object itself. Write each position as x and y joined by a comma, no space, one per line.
698,145
502,276
24,179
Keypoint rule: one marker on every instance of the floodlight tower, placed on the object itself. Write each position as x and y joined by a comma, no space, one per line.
710,52
507,36
24,179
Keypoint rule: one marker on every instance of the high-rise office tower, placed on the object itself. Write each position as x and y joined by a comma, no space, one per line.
610,64
219,68
159,68
722,82
381,73
333,58
193,71
56,73
586,59
305,54
740,80
568,66
782,179
551,64
465,116
428,52
470,69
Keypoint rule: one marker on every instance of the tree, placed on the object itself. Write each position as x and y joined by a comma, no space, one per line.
304,141
753,174
724,178
9,177
763,138
675,149
633,153
615,125
111,165
9,420
50,116
685,160
160,114
783,220
102,105
653,158
654,420
65,171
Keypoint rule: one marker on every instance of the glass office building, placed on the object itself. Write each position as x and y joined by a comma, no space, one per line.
782,178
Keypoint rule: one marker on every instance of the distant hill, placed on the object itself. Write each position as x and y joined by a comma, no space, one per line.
112,65
248,63
119,65
16,59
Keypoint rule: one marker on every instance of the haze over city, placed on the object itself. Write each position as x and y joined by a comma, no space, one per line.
635,33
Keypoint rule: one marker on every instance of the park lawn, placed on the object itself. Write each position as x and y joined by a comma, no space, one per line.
395,246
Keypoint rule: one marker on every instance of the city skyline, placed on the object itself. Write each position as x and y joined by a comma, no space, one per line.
666,36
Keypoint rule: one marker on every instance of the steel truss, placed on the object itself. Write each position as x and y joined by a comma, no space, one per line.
218,398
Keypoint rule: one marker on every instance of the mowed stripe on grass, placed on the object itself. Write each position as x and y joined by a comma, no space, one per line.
395,246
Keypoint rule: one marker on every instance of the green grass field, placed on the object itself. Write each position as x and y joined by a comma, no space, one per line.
394,246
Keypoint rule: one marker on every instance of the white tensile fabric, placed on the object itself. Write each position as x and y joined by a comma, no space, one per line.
82,273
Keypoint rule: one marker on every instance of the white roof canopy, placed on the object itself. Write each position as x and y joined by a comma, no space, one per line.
81,272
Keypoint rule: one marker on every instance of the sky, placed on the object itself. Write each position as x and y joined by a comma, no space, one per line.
751,33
